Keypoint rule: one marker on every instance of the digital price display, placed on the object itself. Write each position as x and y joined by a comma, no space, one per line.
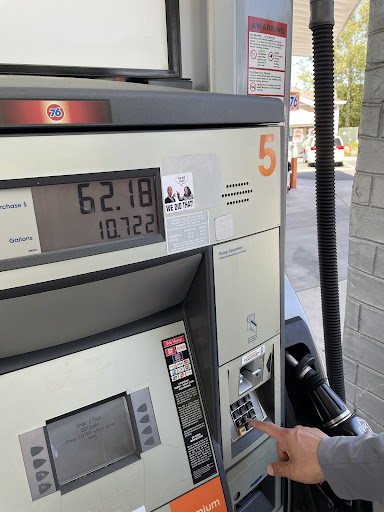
92,212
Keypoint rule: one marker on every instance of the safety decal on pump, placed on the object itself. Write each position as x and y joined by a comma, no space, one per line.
189,409
267,43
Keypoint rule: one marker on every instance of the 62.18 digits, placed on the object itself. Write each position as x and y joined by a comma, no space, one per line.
108,227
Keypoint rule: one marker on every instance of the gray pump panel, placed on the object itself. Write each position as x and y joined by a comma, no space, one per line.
140,297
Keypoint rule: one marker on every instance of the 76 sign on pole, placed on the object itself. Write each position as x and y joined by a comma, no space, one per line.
294,103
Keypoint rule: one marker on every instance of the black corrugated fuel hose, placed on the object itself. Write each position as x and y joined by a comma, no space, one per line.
322,28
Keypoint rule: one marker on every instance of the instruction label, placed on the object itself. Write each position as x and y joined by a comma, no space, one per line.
267,43
187,232
254,354
18,229
189,409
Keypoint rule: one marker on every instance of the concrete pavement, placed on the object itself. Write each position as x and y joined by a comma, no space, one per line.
301,241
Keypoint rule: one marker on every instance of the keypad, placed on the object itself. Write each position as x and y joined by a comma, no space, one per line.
241,412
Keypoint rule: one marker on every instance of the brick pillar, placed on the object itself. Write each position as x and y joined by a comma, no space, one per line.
364,319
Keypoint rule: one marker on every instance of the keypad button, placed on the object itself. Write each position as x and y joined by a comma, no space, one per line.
252,413
233,407
248,427
243,409
142,408
236,414
35,450
238,423
145,419
240,402
37,463
44,488
249,405
40,475
242,430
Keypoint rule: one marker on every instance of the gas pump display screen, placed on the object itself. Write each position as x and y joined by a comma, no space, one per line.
92,212
90,439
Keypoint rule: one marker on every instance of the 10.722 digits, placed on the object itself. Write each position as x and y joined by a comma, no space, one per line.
135,195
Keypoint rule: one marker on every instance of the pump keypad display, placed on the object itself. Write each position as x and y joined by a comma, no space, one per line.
241,412
246,408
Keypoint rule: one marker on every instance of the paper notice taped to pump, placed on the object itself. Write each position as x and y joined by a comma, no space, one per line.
267,43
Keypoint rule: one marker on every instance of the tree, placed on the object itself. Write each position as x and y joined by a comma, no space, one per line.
305,73
350,58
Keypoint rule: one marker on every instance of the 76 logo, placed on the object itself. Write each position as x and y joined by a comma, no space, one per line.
294,102
55,112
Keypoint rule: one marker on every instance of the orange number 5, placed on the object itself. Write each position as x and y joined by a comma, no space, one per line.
267,152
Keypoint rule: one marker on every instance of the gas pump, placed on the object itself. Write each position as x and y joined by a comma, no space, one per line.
140,296
142,288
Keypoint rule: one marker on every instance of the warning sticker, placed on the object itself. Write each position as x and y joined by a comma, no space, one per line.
266,83
267,42
190,411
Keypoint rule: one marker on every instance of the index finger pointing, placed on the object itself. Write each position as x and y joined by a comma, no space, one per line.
267,427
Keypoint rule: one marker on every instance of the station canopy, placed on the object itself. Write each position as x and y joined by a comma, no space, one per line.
302,35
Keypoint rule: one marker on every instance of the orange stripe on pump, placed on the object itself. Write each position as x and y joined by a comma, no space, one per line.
206,498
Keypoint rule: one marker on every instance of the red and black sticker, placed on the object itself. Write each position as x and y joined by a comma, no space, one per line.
189,408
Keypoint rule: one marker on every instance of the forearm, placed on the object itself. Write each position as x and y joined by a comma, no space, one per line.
354,466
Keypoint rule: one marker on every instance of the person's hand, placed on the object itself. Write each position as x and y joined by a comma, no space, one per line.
297,451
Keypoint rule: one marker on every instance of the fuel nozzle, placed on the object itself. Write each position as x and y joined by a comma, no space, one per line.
335,416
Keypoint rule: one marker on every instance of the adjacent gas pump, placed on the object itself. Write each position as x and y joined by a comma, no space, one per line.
141,285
